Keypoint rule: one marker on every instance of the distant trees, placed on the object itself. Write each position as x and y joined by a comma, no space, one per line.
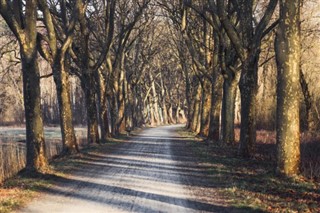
11,97
151,63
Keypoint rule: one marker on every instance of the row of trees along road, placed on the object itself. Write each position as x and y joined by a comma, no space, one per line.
224,41
117,50
161,62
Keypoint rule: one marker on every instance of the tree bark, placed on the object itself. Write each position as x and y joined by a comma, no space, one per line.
308,123
155,101
230,86
216,92
129,109
121,97
113,113
164,104
188,96
287,47
138,109
206,108
214,131
61,78
103,107
170,115
26,33
151,112
196,110
248,91
36,159
92,116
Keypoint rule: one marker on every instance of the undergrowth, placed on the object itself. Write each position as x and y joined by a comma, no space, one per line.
253,183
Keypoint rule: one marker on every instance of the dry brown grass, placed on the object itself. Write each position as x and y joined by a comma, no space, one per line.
310,149
252,183
13,155
17,191
310,156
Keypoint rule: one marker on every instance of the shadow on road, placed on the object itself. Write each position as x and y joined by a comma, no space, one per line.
143,173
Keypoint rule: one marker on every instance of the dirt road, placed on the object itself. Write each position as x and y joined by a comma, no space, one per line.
153,171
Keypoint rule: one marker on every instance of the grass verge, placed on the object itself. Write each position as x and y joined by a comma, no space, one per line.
252,182
17,191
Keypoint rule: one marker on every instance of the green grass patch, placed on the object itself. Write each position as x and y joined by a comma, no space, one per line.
251,183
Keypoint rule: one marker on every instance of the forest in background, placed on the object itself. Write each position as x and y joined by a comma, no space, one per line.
117,65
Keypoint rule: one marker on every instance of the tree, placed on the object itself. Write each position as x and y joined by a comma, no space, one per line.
89,53
129,20
22,20
287,46
247,41
56,56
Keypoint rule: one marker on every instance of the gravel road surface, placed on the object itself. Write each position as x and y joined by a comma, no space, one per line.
152,171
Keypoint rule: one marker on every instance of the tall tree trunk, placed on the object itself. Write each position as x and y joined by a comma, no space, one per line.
215,107
188,94
103,106
230,86
92,116
192,96
57,59
61,78
206,108
155,100
138,118
114,113
26,33
121,99
164,104
151,112
165,111
248,90
214,129
129,109
308,122
22,21
287,47
36,159
178,119
196,110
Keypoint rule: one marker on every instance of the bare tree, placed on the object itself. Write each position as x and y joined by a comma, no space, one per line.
56,56
246,41
22,21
